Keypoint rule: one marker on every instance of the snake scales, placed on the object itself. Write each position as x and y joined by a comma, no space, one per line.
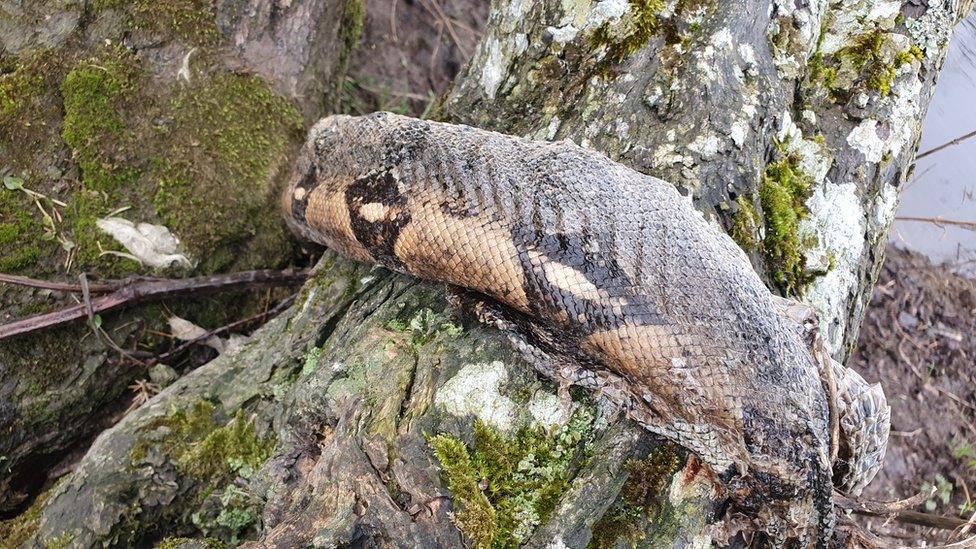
624,267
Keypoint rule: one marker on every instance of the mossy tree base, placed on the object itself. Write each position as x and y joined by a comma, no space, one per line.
148,111
350,419
372,388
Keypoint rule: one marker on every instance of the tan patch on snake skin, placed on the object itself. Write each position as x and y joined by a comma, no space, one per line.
300,193
568,279
328,214
471,252
374,211
653,356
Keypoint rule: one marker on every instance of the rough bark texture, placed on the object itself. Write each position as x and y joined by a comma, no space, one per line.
373,412
151,109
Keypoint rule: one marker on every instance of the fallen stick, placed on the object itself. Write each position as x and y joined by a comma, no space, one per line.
898,512
137,290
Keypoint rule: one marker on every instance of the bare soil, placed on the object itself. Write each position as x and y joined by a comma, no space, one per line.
409,53
919,341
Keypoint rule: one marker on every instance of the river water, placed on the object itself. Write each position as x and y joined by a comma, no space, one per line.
944,184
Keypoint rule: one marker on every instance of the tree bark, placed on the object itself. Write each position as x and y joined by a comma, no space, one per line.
396,419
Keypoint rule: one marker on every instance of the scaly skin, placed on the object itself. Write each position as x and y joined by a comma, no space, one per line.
618,262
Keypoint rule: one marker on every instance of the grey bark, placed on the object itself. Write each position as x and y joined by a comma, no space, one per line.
351,464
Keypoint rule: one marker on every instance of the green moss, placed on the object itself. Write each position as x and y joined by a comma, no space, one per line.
95,92
232,450
504,487
213,463
21,230
99,5
642,505
193,21
917,52
351,28
215,178
745,225
639,25
177,543
206,452
105,106
312,358
19,85
232,515
903,58
30,109
16,532
59,542
423,326
783,194
865,54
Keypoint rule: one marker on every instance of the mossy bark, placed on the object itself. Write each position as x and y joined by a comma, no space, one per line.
161,112
364,385
396,418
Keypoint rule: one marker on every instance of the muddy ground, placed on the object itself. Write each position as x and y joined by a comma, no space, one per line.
918,341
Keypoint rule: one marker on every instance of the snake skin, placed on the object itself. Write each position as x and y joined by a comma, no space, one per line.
618,263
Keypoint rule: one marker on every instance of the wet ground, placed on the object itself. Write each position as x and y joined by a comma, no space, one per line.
918,341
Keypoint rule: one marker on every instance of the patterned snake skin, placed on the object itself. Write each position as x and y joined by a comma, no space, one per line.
623,266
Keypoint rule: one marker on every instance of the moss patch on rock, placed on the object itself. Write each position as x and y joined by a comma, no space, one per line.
783,194
177,543
96,93
504,487
639,26
17,532
203,450
192,21
29,107
870,61
215,176
745,225
643,506
214,461
20,227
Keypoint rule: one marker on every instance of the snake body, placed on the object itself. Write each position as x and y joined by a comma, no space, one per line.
623,266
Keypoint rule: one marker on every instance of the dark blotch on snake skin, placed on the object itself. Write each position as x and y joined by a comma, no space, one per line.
378,237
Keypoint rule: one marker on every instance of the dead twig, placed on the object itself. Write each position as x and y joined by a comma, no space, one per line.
940,222
946,145
434,8
284,304
138,290
899,511
102,288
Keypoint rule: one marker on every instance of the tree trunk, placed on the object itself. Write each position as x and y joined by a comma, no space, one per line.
375,412
120,106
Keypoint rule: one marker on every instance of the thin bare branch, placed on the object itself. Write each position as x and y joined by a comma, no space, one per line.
898,511
284,304
968,225
946,145
95,288
139,290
